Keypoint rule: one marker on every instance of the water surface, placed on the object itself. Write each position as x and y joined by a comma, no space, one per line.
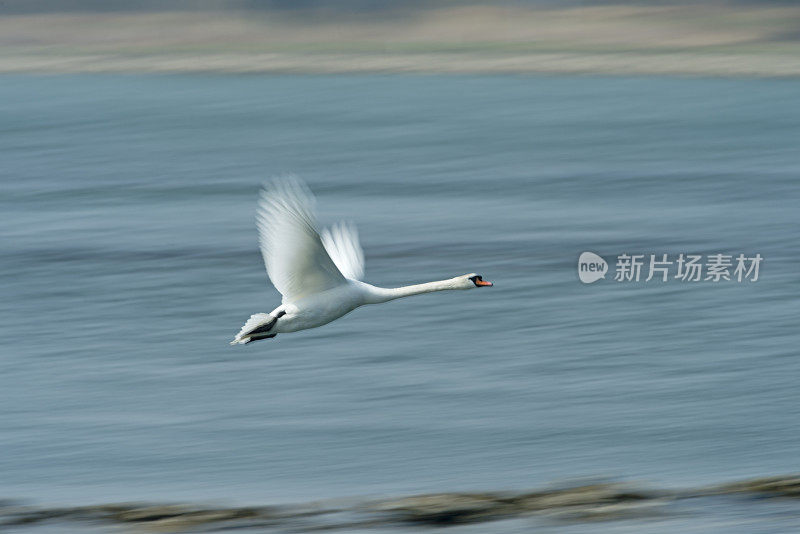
129,260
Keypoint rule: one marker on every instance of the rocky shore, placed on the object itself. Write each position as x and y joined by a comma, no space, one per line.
593,502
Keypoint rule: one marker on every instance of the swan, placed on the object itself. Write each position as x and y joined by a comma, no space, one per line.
318,275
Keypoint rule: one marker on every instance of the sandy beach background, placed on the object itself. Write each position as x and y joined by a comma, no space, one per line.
707,39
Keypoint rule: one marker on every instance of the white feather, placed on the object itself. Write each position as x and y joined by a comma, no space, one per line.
341,242
255,320
296,260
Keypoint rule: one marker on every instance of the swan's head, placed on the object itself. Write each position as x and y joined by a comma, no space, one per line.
472,280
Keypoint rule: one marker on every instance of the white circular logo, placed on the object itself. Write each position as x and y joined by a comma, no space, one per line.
591,267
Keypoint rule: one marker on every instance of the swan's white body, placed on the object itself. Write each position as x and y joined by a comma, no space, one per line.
318,276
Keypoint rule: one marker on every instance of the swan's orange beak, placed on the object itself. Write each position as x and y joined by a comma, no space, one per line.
483,283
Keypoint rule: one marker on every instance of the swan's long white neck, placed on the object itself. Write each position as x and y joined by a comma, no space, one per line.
376,295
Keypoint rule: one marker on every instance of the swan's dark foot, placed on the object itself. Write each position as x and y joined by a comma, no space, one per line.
258,337
266,327
261,331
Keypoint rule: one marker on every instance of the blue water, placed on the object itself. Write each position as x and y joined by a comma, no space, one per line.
129,260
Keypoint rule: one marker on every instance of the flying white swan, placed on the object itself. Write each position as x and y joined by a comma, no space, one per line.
318,276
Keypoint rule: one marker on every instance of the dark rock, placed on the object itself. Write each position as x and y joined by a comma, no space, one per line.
780,486
446,508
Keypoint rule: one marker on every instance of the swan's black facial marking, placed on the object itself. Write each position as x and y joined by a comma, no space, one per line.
479,281
280,314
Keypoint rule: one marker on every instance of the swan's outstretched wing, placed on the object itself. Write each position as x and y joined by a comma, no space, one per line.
341,242
296,260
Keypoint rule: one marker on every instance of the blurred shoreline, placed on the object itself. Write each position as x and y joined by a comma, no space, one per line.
602,501
708,40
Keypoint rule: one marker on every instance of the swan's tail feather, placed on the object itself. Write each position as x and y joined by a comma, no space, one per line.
257,327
